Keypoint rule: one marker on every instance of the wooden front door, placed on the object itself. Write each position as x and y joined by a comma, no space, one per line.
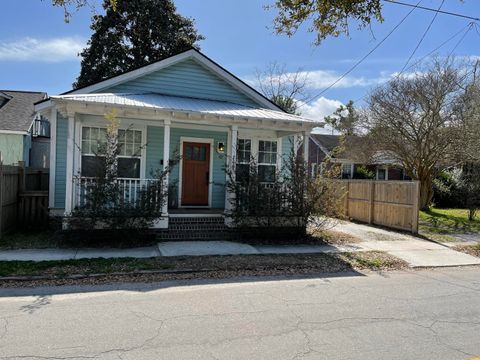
195,174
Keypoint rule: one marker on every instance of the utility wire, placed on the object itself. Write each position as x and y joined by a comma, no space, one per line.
465,30
422,38
431,9
362,59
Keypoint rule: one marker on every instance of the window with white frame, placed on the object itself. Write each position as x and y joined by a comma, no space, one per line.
267,160
130,153
93,148
244,155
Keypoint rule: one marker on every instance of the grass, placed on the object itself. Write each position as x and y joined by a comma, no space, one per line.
439,223
231,265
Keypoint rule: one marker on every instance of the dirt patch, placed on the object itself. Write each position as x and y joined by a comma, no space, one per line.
179,268
334,237
473,250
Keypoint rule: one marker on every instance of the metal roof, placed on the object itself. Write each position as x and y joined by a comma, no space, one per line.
177,103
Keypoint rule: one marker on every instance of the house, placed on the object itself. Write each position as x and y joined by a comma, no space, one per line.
352,153
185,104
24,136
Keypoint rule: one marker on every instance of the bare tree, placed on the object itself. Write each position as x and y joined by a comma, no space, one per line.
284,88
412,118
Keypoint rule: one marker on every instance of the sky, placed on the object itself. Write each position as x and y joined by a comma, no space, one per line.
39,51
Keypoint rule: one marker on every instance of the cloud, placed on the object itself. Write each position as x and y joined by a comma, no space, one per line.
321,79
44,50
319,108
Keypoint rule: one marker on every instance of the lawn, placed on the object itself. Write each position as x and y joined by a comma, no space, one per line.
447,221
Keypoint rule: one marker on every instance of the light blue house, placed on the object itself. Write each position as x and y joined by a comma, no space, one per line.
185,104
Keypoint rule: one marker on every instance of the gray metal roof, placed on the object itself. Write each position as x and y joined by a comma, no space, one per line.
177,103
16,109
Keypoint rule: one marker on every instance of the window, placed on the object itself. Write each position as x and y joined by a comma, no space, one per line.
244,155
130,153
347,171
267,160
93,146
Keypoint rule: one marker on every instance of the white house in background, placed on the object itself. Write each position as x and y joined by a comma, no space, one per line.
186,103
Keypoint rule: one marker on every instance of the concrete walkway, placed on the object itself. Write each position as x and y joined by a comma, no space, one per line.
415,251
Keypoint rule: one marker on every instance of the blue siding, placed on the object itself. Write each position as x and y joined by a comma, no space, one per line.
61,161
218,176
187,78
154,150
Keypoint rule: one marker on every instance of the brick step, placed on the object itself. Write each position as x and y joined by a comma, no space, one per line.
196,220
189,235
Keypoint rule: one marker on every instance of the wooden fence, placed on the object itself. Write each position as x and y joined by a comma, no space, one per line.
393,204
19,206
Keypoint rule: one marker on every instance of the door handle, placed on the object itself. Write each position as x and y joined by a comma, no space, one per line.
207,177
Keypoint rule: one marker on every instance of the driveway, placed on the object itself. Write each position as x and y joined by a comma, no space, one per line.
424,314
414,250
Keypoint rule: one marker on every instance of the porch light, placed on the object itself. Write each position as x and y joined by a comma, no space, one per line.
221,148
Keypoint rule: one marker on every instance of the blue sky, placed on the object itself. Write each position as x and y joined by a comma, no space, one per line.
38,49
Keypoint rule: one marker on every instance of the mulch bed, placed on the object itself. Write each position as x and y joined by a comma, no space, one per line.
473,250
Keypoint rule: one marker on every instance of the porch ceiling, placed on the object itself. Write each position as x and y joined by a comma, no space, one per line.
152,101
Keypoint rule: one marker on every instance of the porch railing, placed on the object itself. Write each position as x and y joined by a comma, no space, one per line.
130,190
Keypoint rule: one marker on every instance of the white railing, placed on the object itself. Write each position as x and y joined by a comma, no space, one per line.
131,189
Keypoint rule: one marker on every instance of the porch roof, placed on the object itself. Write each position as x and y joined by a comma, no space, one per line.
194,105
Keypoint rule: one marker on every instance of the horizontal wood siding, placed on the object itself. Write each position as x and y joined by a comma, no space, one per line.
61,161
154,150
218,176
187,79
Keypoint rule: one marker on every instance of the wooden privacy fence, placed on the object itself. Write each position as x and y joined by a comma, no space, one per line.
393,204
20,207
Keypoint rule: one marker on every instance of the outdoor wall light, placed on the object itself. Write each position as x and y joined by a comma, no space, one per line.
221,147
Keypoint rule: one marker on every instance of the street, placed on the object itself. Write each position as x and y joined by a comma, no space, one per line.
423,314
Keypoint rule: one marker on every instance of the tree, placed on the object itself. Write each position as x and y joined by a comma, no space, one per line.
67,6
286,89
412,119
132,34
327,17
345,119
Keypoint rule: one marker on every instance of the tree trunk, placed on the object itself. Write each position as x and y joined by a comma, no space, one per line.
426,193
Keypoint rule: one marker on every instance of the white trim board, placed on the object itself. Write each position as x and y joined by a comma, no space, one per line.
210,169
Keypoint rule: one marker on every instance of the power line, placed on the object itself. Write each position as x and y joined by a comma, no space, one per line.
465,31
431,9
422,38
362,59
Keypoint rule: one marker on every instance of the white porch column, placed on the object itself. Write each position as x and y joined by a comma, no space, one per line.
231,162
53,153
306,143
70,159
166,159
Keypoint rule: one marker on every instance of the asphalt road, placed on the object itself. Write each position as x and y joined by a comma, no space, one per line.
427,314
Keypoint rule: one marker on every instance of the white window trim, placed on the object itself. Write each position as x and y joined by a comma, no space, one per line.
210,170
255,139
138,127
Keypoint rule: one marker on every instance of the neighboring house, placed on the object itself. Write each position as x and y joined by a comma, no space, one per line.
185,103
351,154
24,136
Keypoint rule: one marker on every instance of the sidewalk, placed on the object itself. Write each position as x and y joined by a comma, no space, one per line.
417,252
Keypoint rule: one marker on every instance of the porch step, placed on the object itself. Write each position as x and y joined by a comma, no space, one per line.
195,228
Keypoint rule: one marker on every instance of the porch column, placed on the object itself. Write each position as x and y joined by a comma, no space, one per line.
53,153
306,143
166,160
70,159
231,163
